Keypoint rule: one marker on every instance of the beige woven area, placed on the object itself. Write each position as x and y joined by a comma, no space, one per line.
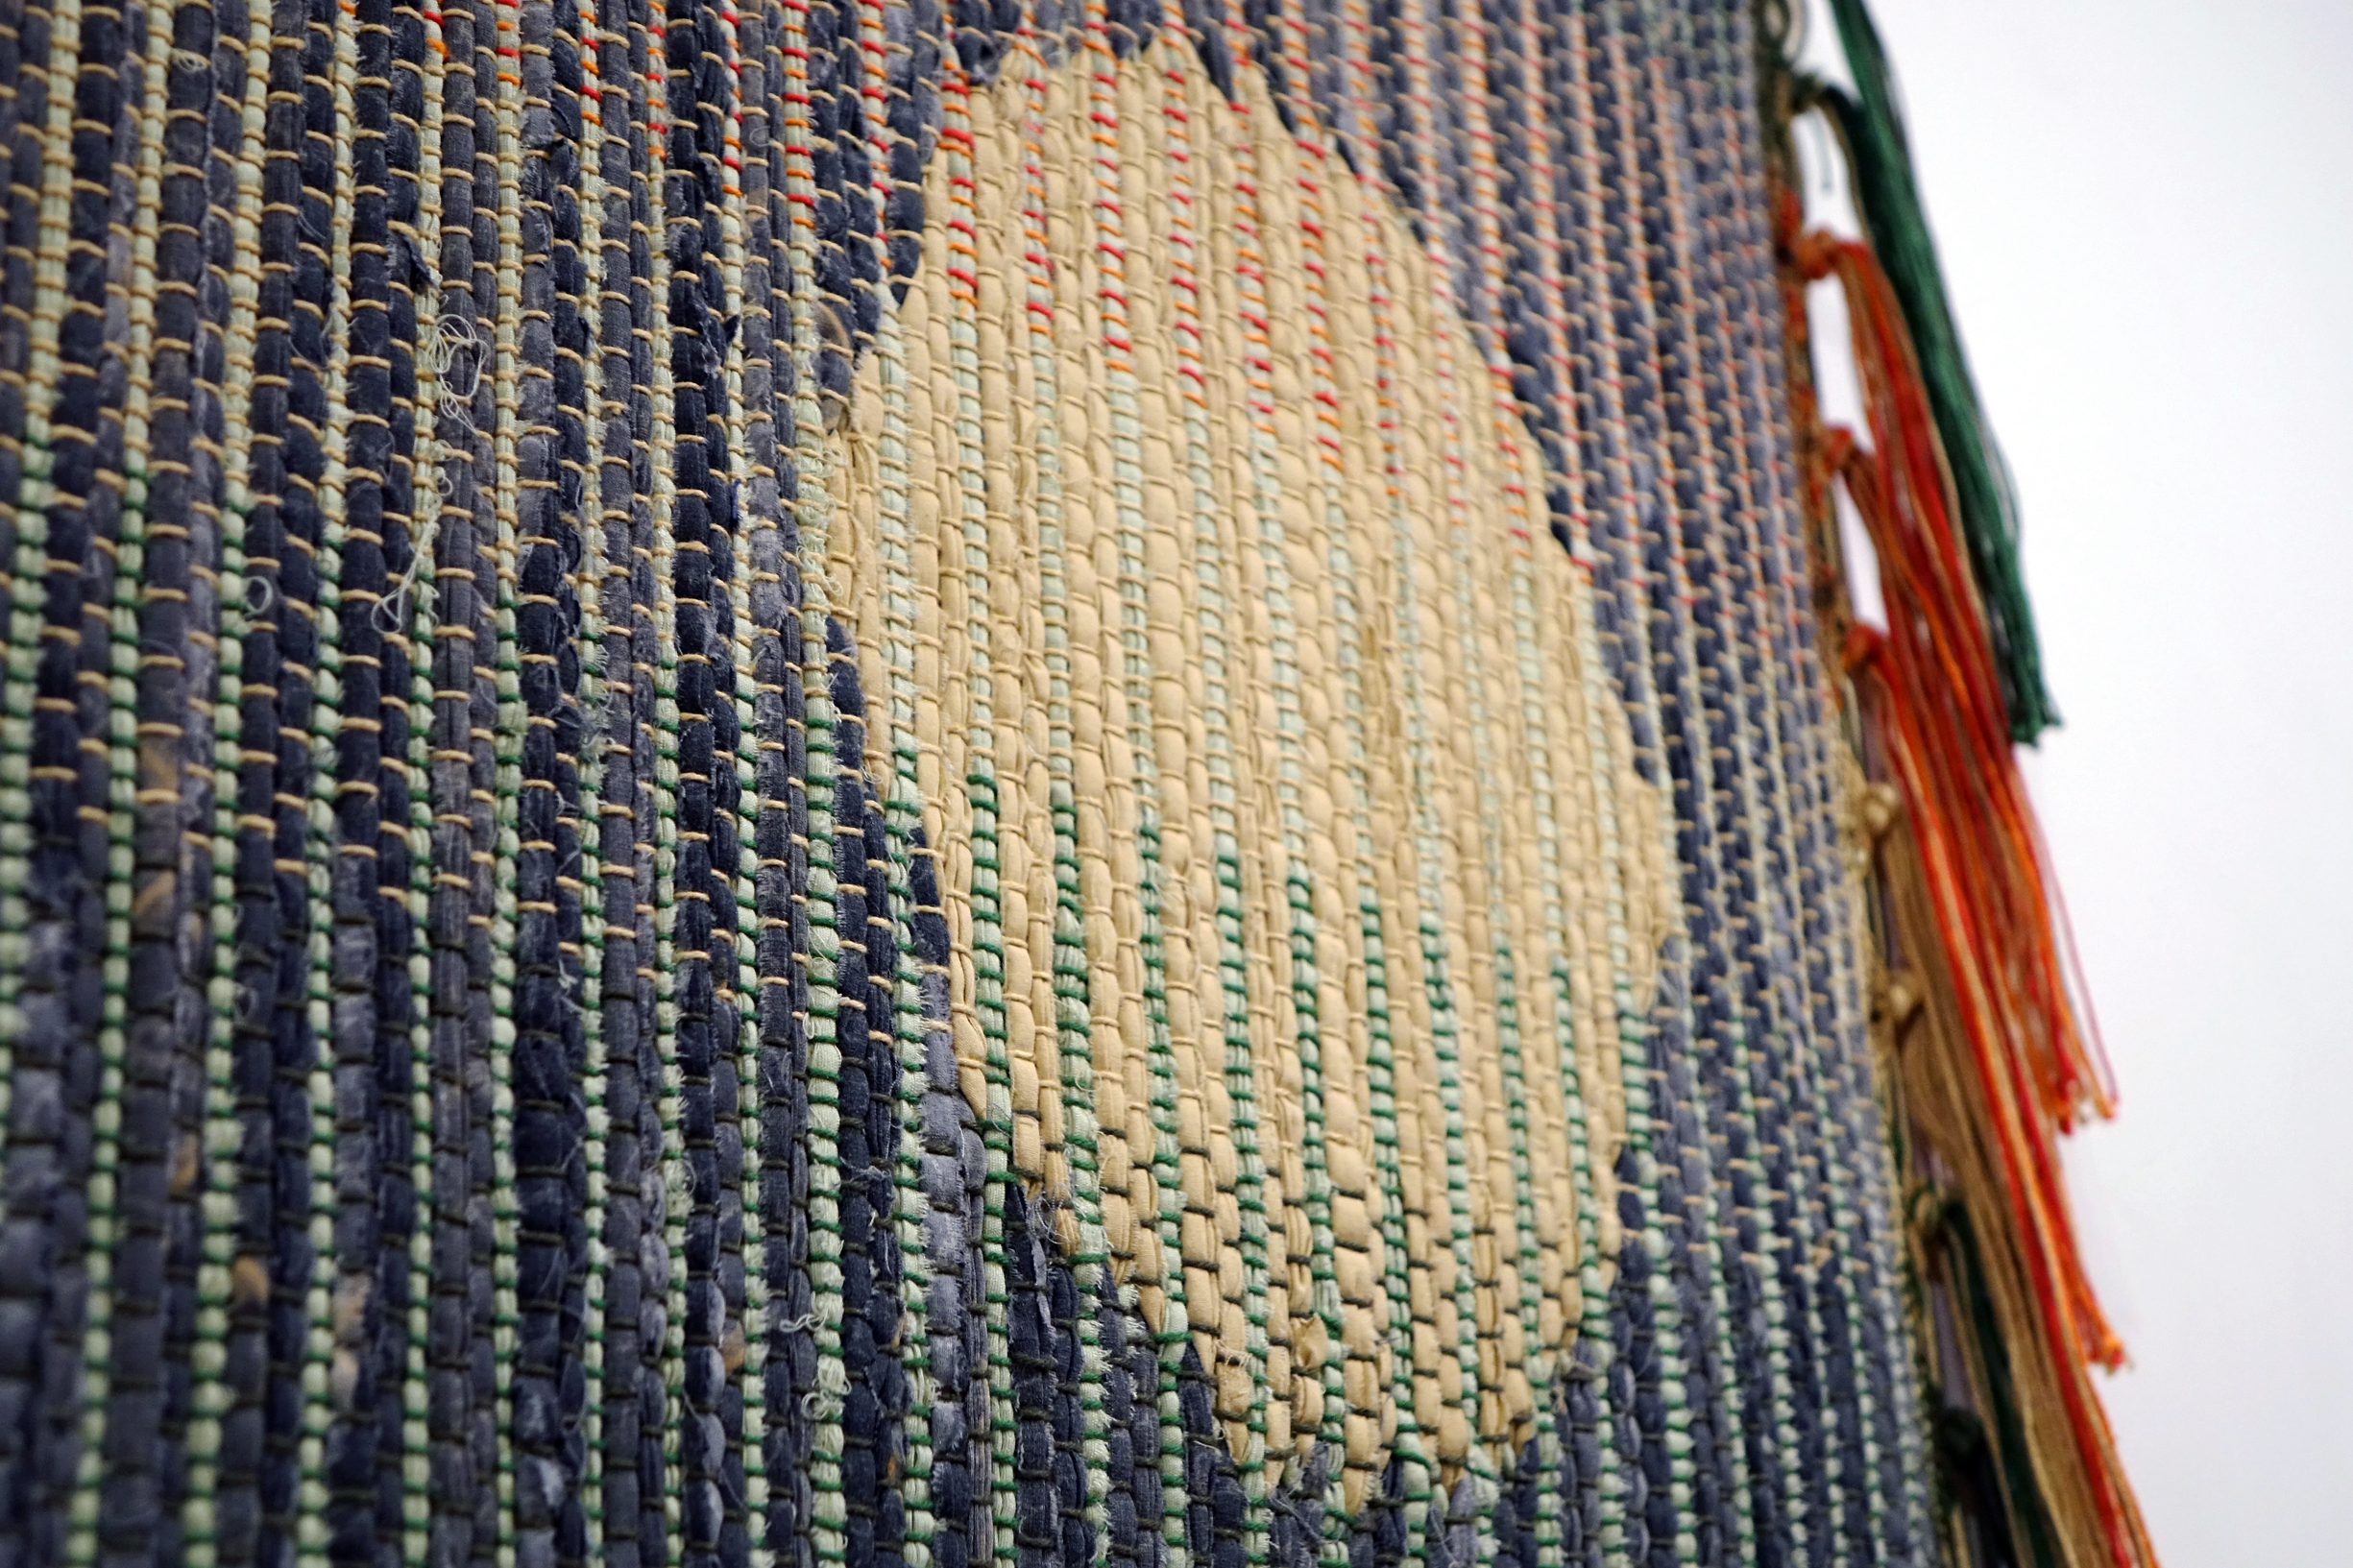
1274,591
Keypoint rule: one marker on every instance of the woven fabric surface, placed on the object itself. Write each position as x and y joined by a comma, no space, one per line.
879,785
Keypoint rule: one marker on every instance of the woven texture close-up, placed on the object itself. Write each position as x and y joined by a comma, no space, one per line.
892,785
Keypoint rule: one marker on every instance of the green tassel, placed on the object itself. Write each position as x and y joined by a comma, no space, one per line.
1889,200
2034,1539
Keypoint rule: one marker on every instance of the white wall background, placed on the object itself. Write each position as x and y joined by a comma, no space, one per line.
2146,213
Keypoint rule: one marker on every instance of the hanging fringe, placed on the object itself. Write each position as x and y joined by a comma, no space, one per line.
2054,1485
1989,1454
1987,506
1930,695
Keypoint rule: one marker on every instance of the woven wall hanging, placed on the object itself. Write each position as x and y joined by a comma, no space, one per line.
866,786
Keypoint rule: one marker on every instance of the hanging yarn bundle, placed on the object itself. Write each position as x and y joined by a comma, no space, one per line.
1943,712
1968,879
849,782
1985,509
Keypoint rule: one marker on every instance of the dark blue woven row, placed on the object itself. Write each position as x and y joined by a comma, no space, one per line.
548,1384
875,1410
703,524
633,1413
39,1160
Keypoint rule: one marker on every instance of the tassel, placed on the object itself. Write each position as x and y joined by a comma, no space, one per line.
1880,156
2002,1443
1930,689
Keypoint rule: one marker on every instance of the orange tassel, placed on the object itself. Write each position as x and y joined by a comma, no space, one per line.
1930,683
